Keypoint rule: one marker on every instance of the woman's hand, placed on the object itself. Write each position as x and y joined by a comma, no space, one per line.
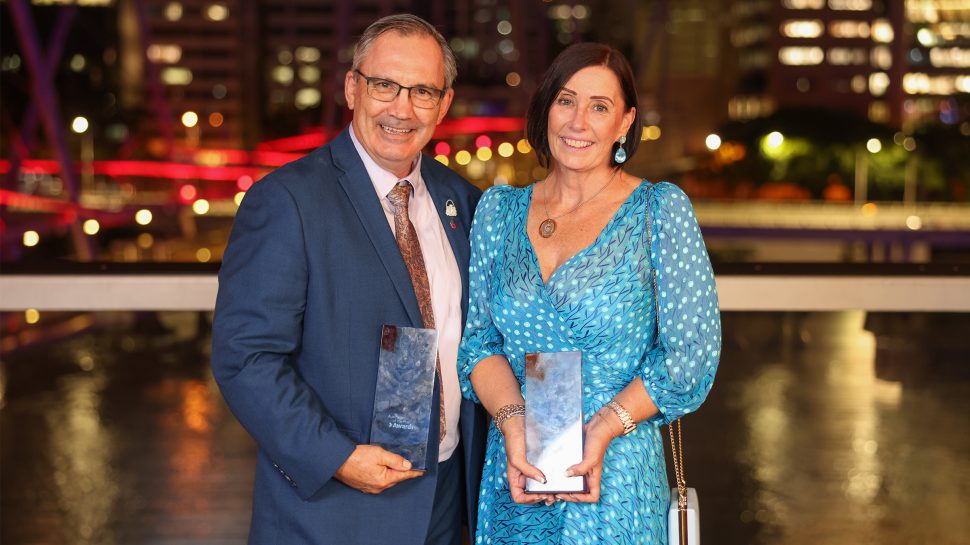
518,467
600,431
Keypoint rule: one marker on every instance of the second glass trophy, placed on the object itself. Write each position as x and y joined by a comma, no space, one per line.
405,390
554,419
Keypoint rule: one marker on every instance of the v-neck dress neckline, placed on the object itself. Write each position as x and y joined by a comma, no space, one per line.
619,215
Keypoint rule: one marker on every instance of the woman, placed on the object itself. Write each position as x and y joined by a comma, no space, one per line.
567,264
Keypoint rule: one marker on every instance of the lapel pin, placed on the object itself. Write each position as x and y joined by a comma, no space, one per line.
450,209
453,224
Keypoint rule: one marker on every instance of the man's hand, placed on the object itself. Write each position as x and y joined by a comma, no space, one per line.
373,470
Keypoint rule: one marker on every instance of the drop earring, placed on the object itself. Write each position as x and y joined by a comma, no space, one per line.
620,156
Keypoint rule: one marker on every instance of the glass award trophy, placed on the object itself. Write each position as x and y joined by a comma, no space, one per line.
405,388
554,419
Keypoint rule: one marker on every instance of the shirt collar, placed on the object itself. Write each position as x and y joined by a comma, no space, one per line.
383,179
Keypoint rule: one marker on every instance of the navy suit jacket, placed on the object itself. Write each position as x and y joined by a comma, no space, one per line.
311,273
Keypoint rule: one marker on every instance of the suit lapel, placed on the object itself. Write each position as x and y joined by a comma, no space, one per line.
441,194
357,184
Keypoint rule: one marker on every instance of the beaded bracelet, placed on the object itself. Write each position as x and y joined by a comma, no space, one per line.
506,412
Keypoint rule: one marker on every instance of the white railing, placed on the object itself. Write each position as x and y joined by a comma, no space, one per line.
737,292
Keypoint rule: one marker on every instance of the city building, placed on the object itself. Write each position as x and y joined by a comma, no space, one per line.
894,62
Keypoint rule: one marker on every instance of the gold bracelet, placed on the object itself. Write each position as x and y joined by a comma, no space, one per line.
625,419
506,412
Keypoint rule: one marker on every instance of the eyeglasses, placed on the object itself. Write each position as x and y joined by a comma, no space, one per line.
386,90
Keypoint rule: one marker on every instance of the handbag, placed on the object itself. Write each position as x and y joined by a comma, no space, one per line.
684,516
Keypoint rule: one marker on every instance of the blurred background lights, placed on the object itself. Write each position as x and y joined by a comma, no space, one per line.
79,125
143,216
244,182
483,141
31,238
238,198
775,139
523,146
173,11
188,192
91,227
31,316
145,240
712,142
203,255
483,154
914,223
443,159
190,119
217,12
874,145
463,157
200,206
506,149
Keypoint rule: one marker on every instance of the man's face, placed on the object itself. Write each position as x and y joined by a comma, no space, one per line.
394,133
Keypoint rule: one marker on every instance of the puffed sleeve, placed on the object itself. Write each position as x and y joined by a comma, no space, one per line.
481,338
679,369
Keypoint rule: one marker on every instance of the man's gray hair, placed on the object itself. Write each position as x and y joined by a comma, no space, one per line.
406,25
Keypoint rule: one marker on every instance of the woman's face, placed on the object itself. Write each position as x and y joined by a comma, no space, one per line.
586,118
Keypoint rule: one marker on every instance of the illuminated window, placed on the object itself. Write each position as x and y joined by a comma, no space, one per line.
845,56
174,75
881,57
882,31
217,12
804,4
950,57
307,54
878,113
307,97
962,83
926,37
164,53
283,74
310,74
878,83
849,29
850,5
924,84
173,11
801,56
809,28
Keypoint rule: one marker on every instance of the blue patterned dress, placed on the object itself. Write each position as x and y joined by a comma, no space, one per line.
601,302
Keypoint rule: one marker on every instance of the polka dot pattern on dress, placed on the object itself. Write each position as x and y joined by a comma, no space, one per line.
602,303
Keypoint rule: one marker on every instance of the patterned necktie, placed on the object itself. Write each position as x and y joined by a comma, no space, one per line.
407,241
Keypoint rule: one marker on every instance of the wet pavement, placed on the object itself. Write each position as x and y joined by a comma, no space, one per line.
818,431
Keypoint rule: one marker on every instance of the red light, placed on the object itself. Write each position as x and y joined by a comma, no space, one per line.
483,141
244,182
442,148
187,193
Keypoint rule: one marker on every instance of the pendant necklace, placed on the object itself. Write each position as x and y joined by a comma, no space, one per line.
548,226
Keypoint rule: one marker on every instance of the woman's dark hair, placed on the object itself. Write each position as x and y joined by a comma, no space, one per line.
573,59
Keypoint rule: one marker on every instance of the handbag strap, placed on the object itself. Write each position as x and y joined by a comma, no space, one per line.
674,428
677,452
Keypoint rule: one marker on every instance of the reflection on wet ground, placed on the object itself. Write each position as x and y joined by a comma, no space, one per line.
119,435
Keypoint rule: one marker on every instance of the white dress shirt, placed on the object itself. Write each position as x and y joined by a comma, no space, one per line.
443,276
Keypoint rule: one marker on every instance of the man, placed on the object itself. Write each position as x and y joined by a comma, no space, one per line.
313,270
